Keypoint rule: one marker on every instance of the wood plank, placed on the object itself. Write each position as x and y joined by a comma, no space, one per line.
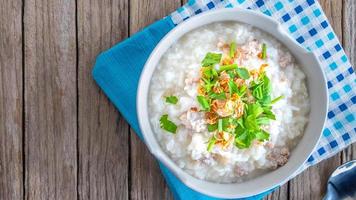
11,100
146,179
50,100
349,44
311,184
280,193
349,30
103,134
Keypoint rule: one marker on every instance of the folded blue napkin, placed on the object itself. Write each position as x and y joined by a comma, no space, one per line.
118,69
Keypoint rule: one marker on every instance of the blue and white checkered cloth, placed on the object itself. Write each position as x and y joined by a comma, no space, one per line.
306,22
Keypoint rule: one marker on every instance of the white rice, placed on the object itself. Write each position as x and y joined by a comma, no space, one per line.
177,74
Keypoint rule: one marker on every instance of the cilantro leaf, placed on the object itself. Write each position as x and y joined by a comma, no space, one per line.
240,144
167,125
254,109
226,123
231,73
266,100
267,87
210,73
239,129
261,89
212,127
262,135
242,90
251,123
171,99
263,120
268,113
243,73
204,103
211,59
244,139
232,87
240,123
208,86
232,49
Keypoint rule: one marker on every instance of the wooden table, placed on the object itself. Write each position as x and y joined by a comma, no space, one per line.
60,137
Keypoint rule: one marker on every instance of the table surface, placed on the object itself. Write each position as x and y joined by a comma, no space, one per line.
60,137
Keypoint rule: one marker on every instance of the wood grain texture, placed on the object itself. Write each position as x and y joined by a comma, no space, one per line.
349,30
280,193
50,100
72,143
103,133
11,100
311,184
146,179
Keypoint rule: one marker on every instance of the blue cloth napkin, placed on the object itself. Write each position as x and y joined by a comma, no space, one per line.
117,73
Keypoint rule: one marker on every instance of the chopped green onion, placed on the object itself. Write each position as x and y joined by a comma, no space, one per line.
208,84
227,67
211,143
232,49
277,99
264,51
211,59
220,125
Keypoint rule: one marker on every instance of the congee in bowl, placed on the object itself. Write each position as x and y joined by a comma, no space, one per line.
228,102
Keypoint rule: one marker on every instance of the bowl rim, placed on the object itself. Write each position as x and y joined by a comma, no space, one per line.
174,35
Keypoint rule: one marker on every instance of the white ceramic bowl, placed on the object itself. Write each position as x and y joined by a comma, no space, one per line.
317,92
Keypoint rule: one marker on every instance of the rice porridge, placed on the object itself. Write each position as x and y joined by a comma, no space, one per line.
228,102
